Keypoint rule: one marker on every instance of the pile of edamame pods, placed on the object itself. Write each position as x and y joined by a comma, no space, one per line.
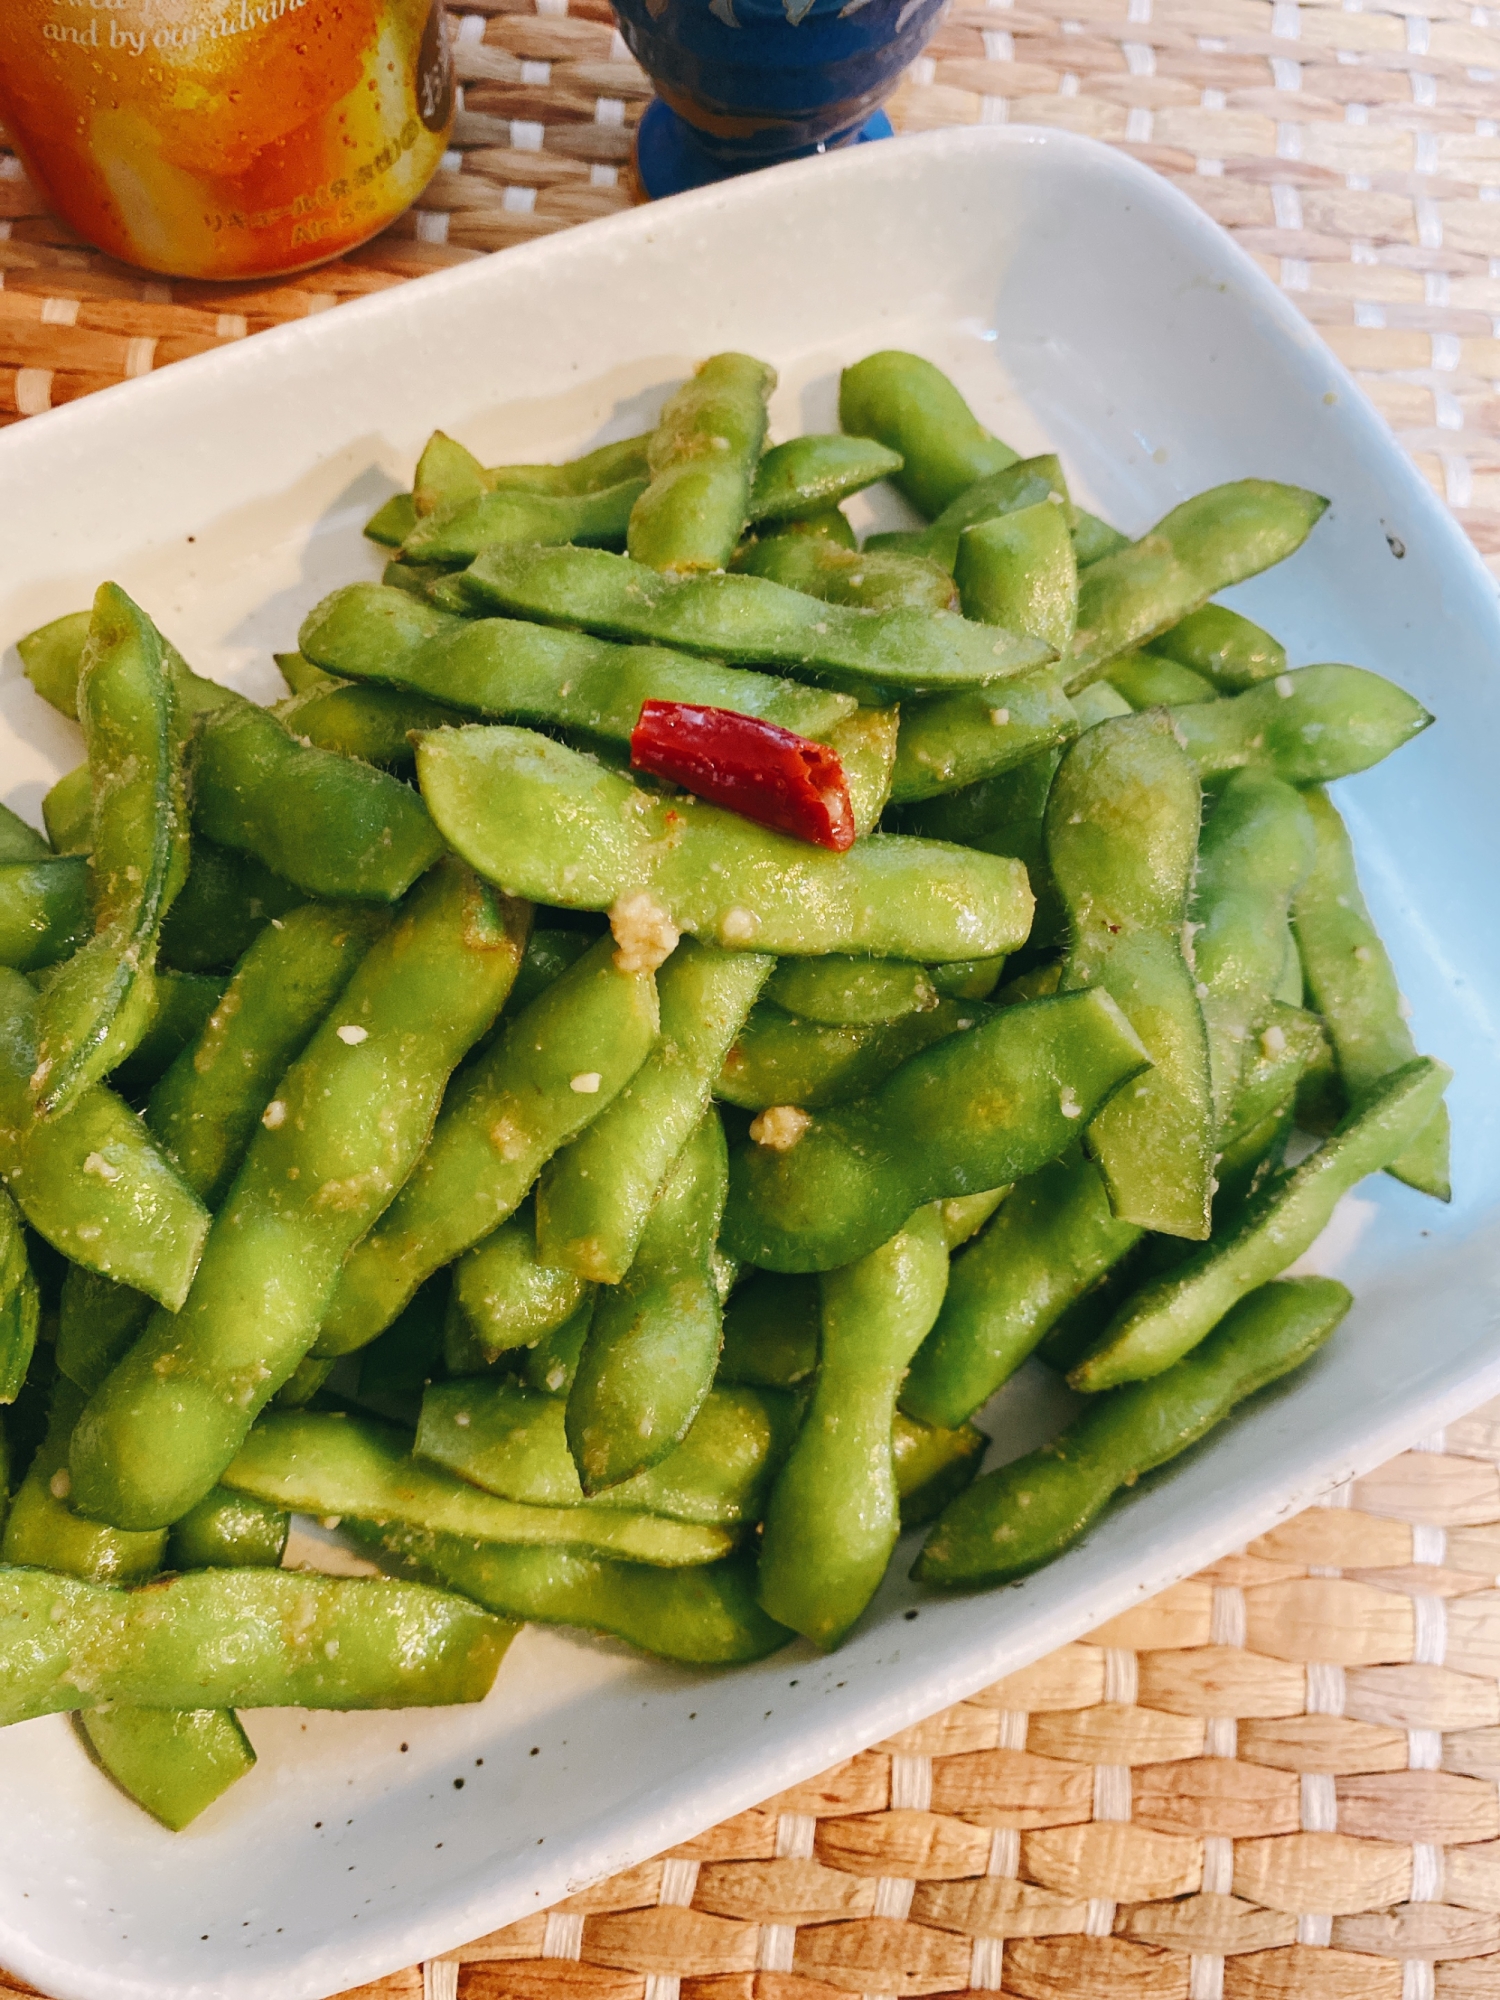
614,1210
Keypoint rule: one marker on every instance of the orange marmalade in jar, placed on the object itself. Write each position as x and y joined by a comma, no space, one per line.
226,138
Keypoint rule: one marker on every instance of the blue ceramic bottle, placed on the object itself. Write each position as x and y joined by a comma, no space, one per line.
748,83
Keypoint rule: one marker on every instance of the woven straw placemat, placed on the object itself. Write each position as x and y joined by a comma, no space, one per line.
1276,1781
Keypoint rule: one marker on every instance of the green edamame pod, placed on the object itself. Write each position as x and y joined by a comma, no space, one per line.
551,1365
514,1444
964,1215
228,1531
44,911
978,1111
332,826
871,581
865,744
304,1382
606,465
557,828
20,1303
811,473
1030,482
206,1107
1352,983
1052,1240
246,1638
224,904
555,1068
932,1466
502,667
181,1005
859,992
1018,570
1288,1042
508,1296
1201,547
782,1059
609,466
348,1121
1013,1521
43,1532
1122,841
455,534
953,741
300,675
373,724
50,656
770,1331
20,842
748,620
99,1321
447,474
392,521
704,1617
1148,681
594,1199
174,1762
325,1463
833,1518
1309,726
1172,1314
1255,850
968,978
96,1007
91,1180
830,524
1094,539
549,953
1013,798
702,455
911,407
653,1345
1226,649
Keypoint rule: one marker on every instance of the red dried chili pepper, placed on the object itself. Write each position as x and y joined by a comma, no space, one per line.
765,773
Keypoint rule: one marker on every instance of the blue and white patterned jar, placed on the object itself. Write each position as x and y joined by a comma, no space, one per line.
760,81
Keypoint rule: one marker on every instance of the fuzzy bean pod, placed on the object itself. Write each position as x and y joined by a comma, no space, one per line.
1352,983
348,1122
503,667
834,1514
979,1111
1122,841
1306,727
702,457
911,407
653,1345
324,1463
245,1638
1170,1316
560,1062
594,1200
557,828
747,620
1201,547
813,472
1015,1520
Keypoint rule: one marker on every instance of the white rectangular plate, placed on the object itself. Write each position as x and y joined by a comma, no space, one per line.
1081,303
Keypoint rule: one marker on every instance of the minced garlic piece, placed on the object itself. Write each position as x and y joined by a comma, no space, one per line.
645,936
780,1127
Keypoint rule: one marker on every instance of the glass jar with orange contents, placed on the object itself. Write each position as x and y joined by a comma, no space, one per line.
226,138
